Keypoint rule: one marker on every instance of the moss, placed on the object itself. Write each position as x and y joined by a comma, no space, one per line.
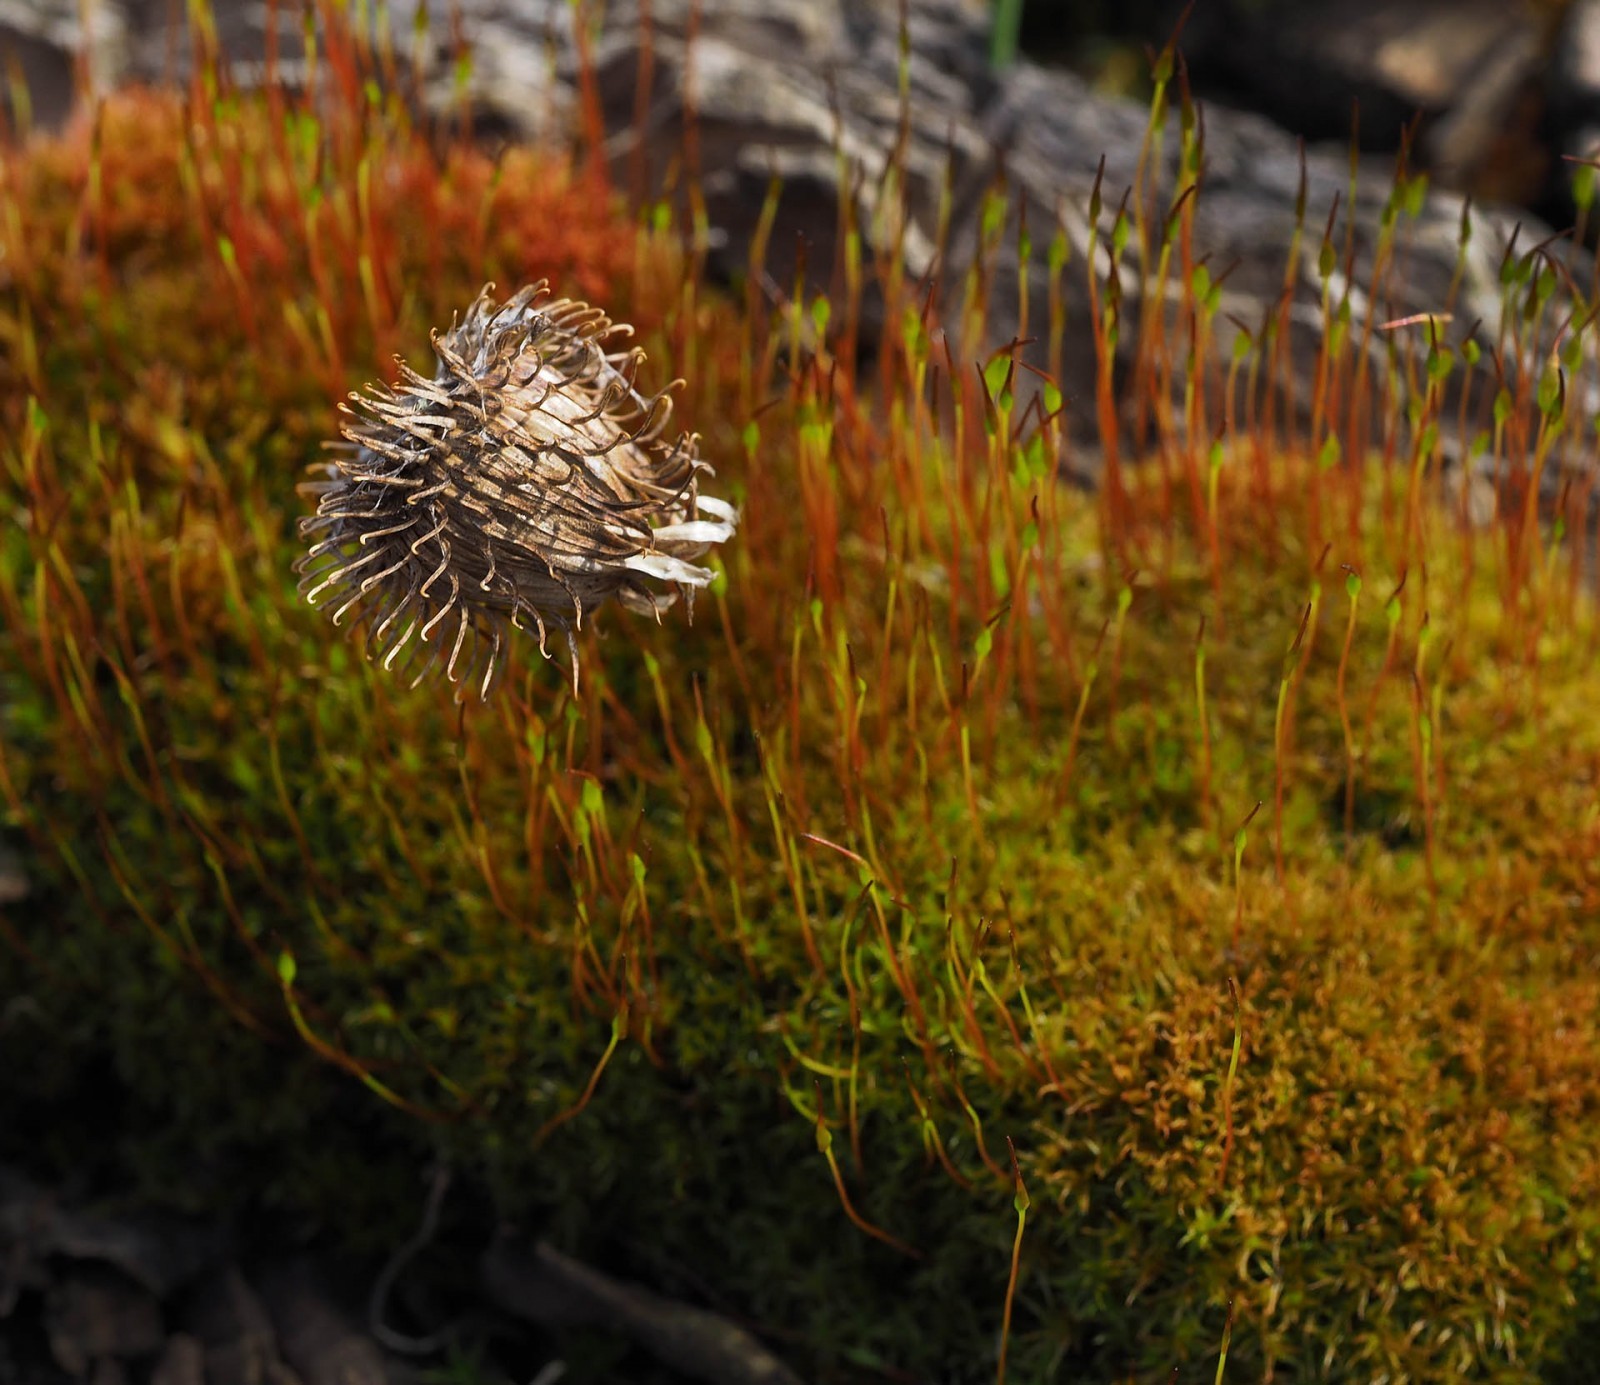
922,819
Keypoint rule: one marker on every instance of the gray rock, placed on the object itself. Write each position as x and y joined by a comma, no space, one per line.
810,90
14,884
183,1362
319,1340
160,1253
544,1286
94,1312
53,41
1576,79
228,1320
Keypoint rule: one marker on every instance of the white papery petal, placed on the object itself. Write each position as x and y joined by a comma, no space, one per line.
669,569
695,531
712,506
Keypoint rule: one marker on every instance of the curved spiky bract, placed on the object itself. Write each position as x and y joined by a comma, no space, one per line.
527,481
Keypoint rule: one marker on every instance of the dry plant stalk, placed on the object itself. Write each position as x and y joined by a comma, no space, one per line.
527,480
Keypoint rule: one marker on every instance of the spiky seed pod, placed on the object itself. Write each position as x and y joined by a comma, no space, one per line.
527,481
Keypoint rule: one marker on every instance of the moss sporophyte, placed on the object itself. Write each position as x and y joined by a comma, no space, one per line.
912,897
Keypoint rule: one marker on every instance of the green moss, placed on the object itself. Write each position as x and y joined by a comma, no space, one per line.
919,818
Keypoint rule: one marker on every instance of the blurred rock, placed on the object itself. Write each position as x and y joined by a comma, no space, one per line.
1576,87
1500,88
158,1253
53,43
94,1312
1472,70
1480,78
544,1286
1578,64
319,1341
779,94
94,1295
14,886
228,1320
183,1362
786,87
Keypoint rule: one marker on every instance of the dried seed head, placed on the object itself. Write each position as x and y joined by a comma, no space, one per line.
526,482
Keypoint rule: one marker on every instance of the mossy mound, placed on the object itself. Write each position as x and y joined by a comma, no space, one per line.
923,836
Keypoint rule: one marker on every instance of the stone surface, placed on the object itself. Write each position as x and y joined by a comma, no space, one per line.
779,95
319,1342
1576,81
54,43
744,92
92,1288
159,1253
94,1312
1479,79
228,1320
14,885
146,1298
182,1362
542,1285
1578,61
